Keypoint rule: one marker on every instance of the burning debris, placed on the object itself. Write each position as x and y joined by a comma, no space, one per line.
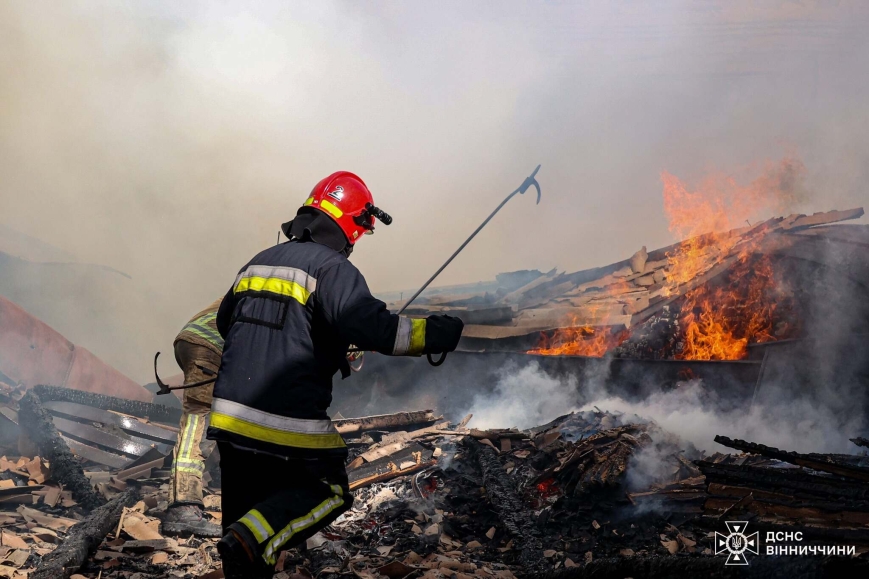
708,297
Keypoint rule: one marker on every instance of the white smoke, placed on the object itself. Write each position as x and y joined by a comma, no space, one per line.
524,397
529,397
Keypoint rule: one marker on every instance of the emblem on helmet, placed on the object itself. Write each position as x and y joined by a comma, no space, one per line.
337,194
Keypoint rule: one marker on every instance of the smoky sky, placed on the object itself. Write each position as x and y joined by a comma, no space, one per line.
169,140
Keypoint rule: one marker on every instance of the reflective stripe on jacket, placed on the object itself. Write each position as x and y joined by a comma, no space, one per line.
288,320
202,329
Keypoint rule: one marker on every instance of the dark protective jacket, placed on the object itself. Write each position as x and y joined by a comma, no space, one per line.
288,321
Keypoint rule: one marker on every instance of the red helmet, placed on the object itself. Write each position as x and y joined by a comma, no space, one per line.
345,198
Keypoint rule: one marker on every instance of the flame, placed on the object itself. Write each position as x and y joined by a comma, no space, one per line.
720,322
579,341
714,222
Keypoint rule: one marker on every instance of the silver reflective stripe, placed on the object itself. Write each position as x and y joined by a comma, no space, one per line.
300,524
255,527
293,274
188,465
246,413
402,336
188,436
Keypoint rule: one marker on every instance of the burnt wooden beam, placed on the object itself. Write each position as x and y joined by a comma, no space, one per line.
833,515
84,538
36,423
511,511
385,421
822,218
783,481
153,412
817,462
388,476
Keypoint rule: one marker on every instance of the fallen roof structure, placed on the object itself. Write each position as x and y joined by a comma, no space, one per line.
32,353
629,292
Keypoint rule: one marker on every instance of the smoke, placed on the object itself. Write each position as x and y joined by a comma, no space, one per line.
791,424
791,420
524,397
169,140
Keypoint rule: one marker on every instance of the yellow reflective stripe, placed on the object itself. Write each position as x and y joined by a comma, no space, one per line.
274,285
276,421
328,206
417,337
189,466
189,470
319,513
337,490
188,436
257,525
409,337
205,333
274,435
308,201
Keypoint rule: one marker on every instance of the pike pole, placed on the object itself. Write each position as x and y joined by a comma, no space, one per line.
529,181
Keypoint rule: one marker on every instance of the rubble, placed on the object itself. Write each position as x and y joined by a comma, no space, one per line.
511,511
569,498
84,538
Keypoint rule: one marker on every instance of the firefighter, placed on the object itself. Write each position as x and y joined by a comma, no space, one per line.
198,348
288,320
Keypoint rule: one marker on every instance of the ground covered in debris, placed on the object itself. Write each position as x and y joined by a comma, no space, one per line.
589,492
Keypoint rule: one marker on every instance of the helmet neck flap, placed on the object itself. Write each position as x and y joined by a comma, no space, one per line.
313,225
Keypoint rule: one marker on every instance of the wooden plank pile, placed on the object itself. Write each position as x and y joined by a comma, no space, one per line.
817,490
625,293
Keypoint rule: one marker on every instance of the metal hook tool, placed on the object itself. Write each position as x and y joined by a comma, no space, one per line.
531,180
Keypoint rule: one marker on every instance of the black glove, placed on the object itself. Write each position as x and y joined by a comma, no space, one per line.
442,334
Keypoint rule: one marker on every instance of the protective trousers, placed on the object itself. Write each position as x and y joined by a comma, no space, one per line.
275,504
198,363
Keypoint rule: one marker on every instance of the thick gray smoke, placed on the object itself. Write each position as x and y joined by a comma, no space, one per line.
531,397
169,140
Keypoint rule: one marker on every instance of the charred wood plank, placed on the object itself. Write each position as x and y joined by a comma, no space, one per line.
817,462
388,476
385,421
830,514
821,218
153,412
783,481
508,505
860,441
84,538
497,434
36,423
